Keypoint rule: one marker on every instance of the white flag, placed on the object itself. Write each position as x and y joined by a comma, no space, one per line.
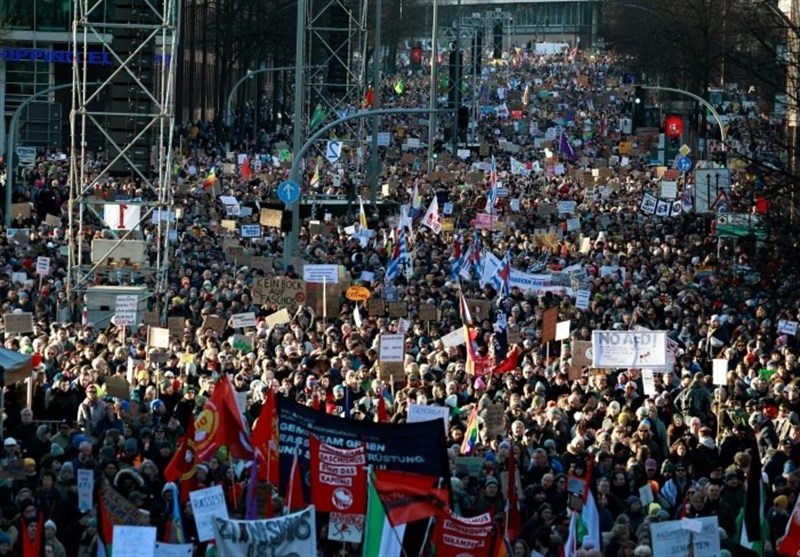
357,316
432,219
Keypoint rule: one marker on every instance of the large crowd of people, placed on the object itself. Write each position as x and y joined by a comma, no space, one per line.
675,444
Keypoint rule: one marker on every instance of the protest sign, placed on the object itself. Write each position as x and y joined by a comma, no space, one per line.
42,266
631,349
454,535
242,320
85,490
338,477
158,337
549,323
787,327
18,323
176,326
391,356
173,550
344,527
271,218
719,371
238,538
321,273
562,330
134,541
376,307
673,537
207,504
454,338
282,292
278,318
427,413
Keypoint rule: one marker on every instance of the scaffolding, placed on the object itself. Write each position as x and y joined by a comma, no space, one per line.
121,126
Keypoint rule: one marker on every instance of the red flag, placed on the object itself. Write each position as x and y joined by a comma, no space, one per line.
510,362
246,172
182,466
455,535
265,441
32,548
383,417
220,423
513,515
295,501
338,477
369,98
408,497
787,546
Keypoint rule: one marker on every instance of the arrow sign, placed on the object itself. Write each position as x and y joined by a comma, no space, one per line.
684,164
289,192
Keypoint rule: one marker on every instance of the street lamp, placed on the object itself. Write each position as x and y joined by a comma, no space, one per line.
12,140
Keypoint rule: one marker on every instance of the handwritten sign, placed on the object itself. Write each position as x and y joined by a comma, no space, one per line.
279,291
427,413
85,490
242,320
206,504
134,541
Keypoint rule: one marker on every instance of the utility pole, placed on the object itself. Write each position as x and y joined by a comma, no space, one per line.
290,240
457,84
434,82
792,74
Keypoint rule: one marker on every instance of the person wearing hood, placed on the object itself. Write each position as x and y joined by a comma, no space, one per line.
50,538
128,480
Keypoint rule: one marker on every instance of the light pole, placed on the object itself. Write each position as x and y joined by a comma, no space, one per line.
12,140
434,84
703,102
290,240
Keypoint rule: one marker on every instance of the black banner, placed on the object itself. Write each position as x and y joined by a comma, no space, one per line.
418,447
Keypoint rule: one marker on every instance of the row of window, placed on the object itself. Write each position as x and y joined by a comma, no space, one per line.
46,15
535,14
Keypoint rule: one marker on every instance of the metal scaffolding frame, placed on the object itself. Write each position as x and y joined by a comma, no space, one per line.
336,32
143,47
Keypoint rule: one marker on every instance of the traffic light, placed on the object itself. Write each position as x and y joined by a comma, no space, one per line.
463,117
497,51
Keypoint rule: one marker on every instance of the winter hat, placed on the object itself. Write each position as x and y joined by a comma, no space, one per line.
50,524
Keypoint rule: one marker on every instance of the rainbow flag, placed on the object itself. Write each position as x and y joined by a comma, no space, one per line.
211,178
471,436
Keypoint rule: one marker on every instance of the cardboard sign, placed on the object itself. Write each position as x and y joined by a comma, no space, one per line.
151,318
118,387
324,298
158,337
478,308
16,323
278,318
213,322
549,322
376,307
581,353
279,291
271,218
398,309
175,325
493,419
428,312
20,210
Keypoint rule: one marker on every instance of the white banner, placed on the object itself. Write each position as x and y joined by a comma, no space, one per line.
120,216
631,349
674,536
293,534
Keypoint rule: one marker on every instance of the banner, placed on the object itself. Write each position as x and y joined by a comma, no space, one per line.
673,537
401,447
629,349
338,478
456,536
293,534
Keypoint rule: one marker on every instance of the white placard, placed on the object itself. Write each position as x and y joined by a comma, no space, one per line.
720,371
562,330
134,541
672,538
447,208
125,310
669,190
42,266
206,504
158,337
787,327
85,490
321,273
582,299
173,550
463,153
515,205
346,527
391,348
649,388
241,320
250,230
629,349
566,207
427,413
454,338
367,276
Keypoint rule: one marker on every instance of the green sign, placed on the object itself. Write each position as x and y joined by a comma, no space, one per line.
735,225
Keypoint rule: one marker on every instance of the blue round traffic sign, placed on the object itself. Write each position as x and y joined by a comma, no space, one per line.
288,192
684,164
